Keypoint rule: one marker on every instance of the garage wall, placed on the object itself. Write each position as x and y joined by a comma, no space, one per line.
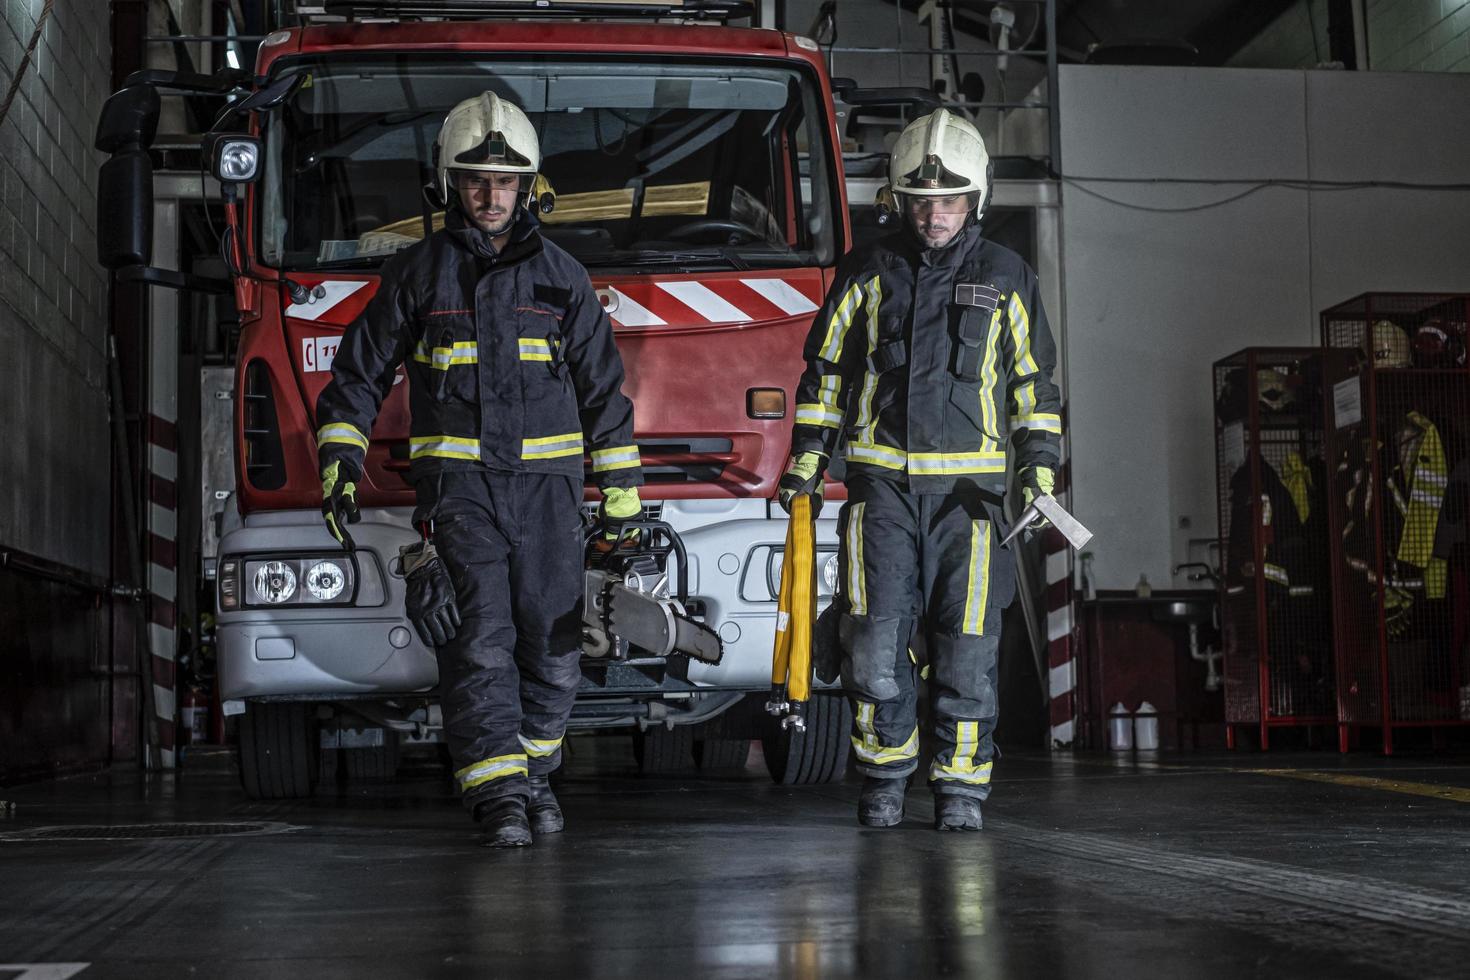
54,464
1403,35
1153,298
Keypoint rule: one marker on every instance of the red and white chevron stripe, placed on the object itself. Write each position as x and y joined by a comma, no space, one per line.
1063,624
163,549
696,302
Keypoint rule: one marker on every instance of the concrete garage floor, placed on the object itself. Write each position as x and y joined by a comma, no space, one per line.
1184,867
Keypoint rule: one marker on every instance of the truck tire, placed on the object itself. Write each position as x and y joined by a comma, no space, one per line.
818,755
711,754
373,763
278,751
664,750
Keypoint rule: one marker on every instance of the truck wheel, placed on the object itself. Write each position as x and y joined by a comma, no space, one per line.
721,753
818,755
373,762
278,751
664,750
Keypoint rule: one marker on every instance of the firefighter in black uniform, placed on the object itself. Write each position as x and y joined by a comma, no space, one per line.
930,352
513,374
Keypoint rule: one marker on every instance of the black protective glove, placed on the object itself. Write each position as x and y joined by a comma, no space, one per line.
430,601
827,645
339,499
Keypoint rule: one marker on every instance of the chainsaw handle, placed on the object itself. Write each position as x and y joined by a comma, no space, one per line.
647,545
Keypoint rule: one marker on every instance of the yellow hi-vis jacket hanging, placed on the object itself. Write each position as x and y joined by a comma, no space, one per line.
796,612
1427,482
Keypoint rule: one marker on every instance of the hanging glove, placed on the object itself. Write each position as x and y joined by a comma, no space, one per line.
619,506
803,475
339,499
1035,481
430,601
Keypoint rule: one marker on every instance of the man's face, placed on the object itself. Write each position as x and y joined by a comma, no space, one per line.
936,220
488,198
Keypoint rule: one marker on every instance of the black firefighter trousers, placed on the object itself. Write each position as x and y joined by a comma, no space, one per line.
512,543
934,559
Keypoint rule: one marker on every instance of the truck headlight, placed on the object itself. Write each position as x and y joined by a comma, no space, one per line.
325,580
274,582
287,580
828,584
826,572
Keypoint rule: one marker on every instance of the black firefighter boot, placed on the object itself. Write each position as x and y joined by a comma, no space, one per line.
503,822
544,811
954,812
881,802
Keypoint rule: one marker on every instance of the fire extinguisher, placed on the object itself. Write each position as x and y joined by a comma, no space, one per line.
194,713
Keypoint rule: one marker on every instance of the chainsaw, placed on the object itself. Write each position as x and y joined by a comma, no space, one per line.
629,605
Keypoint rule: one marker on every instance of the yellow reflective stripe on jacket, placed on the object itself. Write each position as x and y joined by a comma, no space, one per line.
539,748
487,769
447,447
1021,335
876,455
989,381
962,765
949,464
866,420
342,433
857,586
551,447
1277,574
1040,421
873,752
810,413
442,358
838,325
977,592
535,349
616,458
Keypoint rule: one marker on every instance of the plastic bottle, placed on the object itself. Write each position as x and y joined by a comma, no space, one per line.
1120,729
1089,591
1146,728
1143,590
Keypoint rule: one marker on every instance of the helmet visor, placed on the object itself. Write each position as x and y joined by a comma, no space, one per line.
932,175
492,152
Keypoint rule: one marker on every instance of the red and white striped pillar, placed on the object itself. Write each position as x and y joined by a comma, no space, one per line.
162,553
1062,618
161,476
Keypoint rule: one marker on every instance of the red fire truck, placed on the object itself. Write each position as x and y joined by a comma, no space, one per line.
697,175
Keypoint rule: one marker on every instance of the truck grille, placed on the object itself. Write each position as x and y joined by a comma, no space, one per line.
265,463
686,460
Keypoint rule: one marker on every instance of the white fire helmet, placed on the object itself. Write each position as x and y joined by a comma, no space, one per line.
938,155
486,133
1390,346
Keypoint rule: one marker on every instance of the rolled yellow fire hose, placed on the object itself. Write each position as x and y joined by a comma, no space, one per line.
796,612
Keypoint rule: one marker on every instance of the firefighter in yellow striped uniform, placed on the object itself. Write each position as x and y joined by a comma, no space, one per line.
513,375
930,359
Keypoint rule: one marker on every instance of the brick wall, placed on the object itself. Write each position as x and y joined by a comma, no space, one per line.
1403,35
54,462
1419,35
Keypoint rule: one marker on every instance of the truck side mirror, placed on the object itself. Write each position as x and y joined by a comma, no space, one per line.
126,128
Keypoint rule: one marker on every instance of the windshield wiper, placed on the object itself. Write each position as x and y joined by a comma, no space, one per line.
703,258
356,261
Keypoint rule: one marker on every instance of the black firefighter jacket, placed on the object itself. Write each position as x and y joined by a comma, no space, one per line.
510,358
922,362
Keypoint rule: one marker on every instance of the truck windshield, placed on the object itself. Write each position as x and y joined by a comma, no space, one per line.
653,162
